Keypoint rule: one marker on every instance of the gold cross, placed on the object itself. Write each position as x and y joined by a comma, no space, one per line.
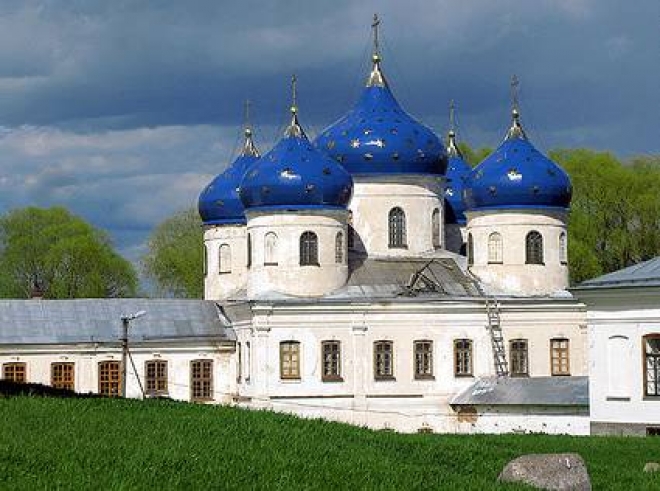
294,95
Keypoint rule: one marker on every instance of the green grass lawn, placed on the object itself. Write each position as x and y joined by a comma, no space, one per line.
50,443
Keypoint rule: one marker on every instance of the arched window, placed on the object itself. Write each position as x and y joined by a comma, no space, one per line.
563,253
270,249
435,228
224,258
339,248
309,249
397,228
351,231
470,250
534,248
495,248
249,250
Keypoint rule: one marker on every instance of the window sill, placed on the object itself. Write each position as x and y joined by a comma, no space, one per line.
291,380
424,377
495,262
534,264
519,375
617,399
332,379
270,264
397,247
561,374
224,272
316,265
651,398
463,375
385,378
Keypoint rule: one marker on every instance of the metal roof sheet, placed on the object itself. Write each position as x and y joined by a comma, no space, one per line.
526,391
99,320
646,273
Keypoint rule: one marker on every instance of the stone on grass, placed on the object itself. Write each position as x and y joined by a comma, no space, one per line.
652,467
560,471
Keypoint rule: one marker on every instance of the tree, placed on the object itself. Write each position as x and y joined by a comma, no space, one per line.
174,261
60,255
615,211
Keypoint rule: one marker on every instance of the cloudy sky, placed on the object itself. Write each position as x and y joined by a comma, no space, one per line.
123,110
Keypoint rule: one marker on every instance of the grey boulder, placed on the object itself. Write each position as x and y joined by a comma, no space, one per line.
562,471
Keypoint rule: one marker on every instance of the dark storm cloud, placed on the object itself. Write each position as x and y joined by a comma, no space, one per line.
123,110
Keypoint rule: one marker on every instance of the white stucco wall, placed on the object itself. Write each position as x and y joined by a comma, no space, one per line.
285,274
513,275
403,404
86,359
618,320
217,285
374,197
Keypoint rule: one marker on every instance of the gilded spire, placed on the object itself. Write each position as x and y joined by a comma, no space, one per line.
516,129
376,77
249,148
452,148
294,128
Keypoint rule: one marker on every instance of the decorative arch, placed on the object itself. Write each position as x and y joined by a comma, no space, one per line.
563,248
470,250
339,247
435,229
397,228
495,248
224,259
270,249
534,248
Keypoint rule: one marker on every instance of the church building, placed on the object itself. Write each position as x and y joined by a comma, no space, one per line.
371,276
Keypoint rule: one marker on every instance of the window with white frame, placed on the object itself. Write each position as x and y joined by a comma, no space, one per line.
519,354
495,252
563,249
224,259
270,249
384,360
309,249
463,358
331,356
559,356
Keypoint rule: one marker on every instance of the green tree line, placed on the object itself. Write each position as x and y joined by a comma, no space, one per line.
56,254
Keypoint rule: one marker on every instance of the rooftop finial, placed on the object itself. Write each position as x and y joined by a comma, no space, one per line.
516,130
249,149
294,128
452,148
376,78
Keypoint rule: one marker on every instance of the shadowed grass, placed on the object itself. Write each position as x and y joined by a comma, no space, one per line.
125,444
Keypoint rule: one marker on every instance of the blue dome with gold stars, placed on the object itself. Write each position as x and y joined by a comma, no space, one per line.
517,175
378,137
219,202
295,175
457,173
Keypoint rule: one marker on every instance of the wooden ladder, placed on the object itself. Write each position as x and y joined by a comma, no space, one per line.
496,337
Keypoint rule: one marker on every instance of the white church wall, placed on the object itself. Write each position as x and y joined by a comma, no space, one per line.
86,359
223,280
618,321
374,197
283,272
510,273
403,403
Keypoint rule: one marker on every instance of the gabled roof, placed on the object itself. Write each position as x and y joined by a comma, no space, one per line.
526,391
99,320
642,274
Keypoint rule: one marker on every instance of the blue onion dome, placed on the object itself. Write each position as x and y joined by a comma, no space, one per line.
219,203
517,175
378,137
457,173
295,175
